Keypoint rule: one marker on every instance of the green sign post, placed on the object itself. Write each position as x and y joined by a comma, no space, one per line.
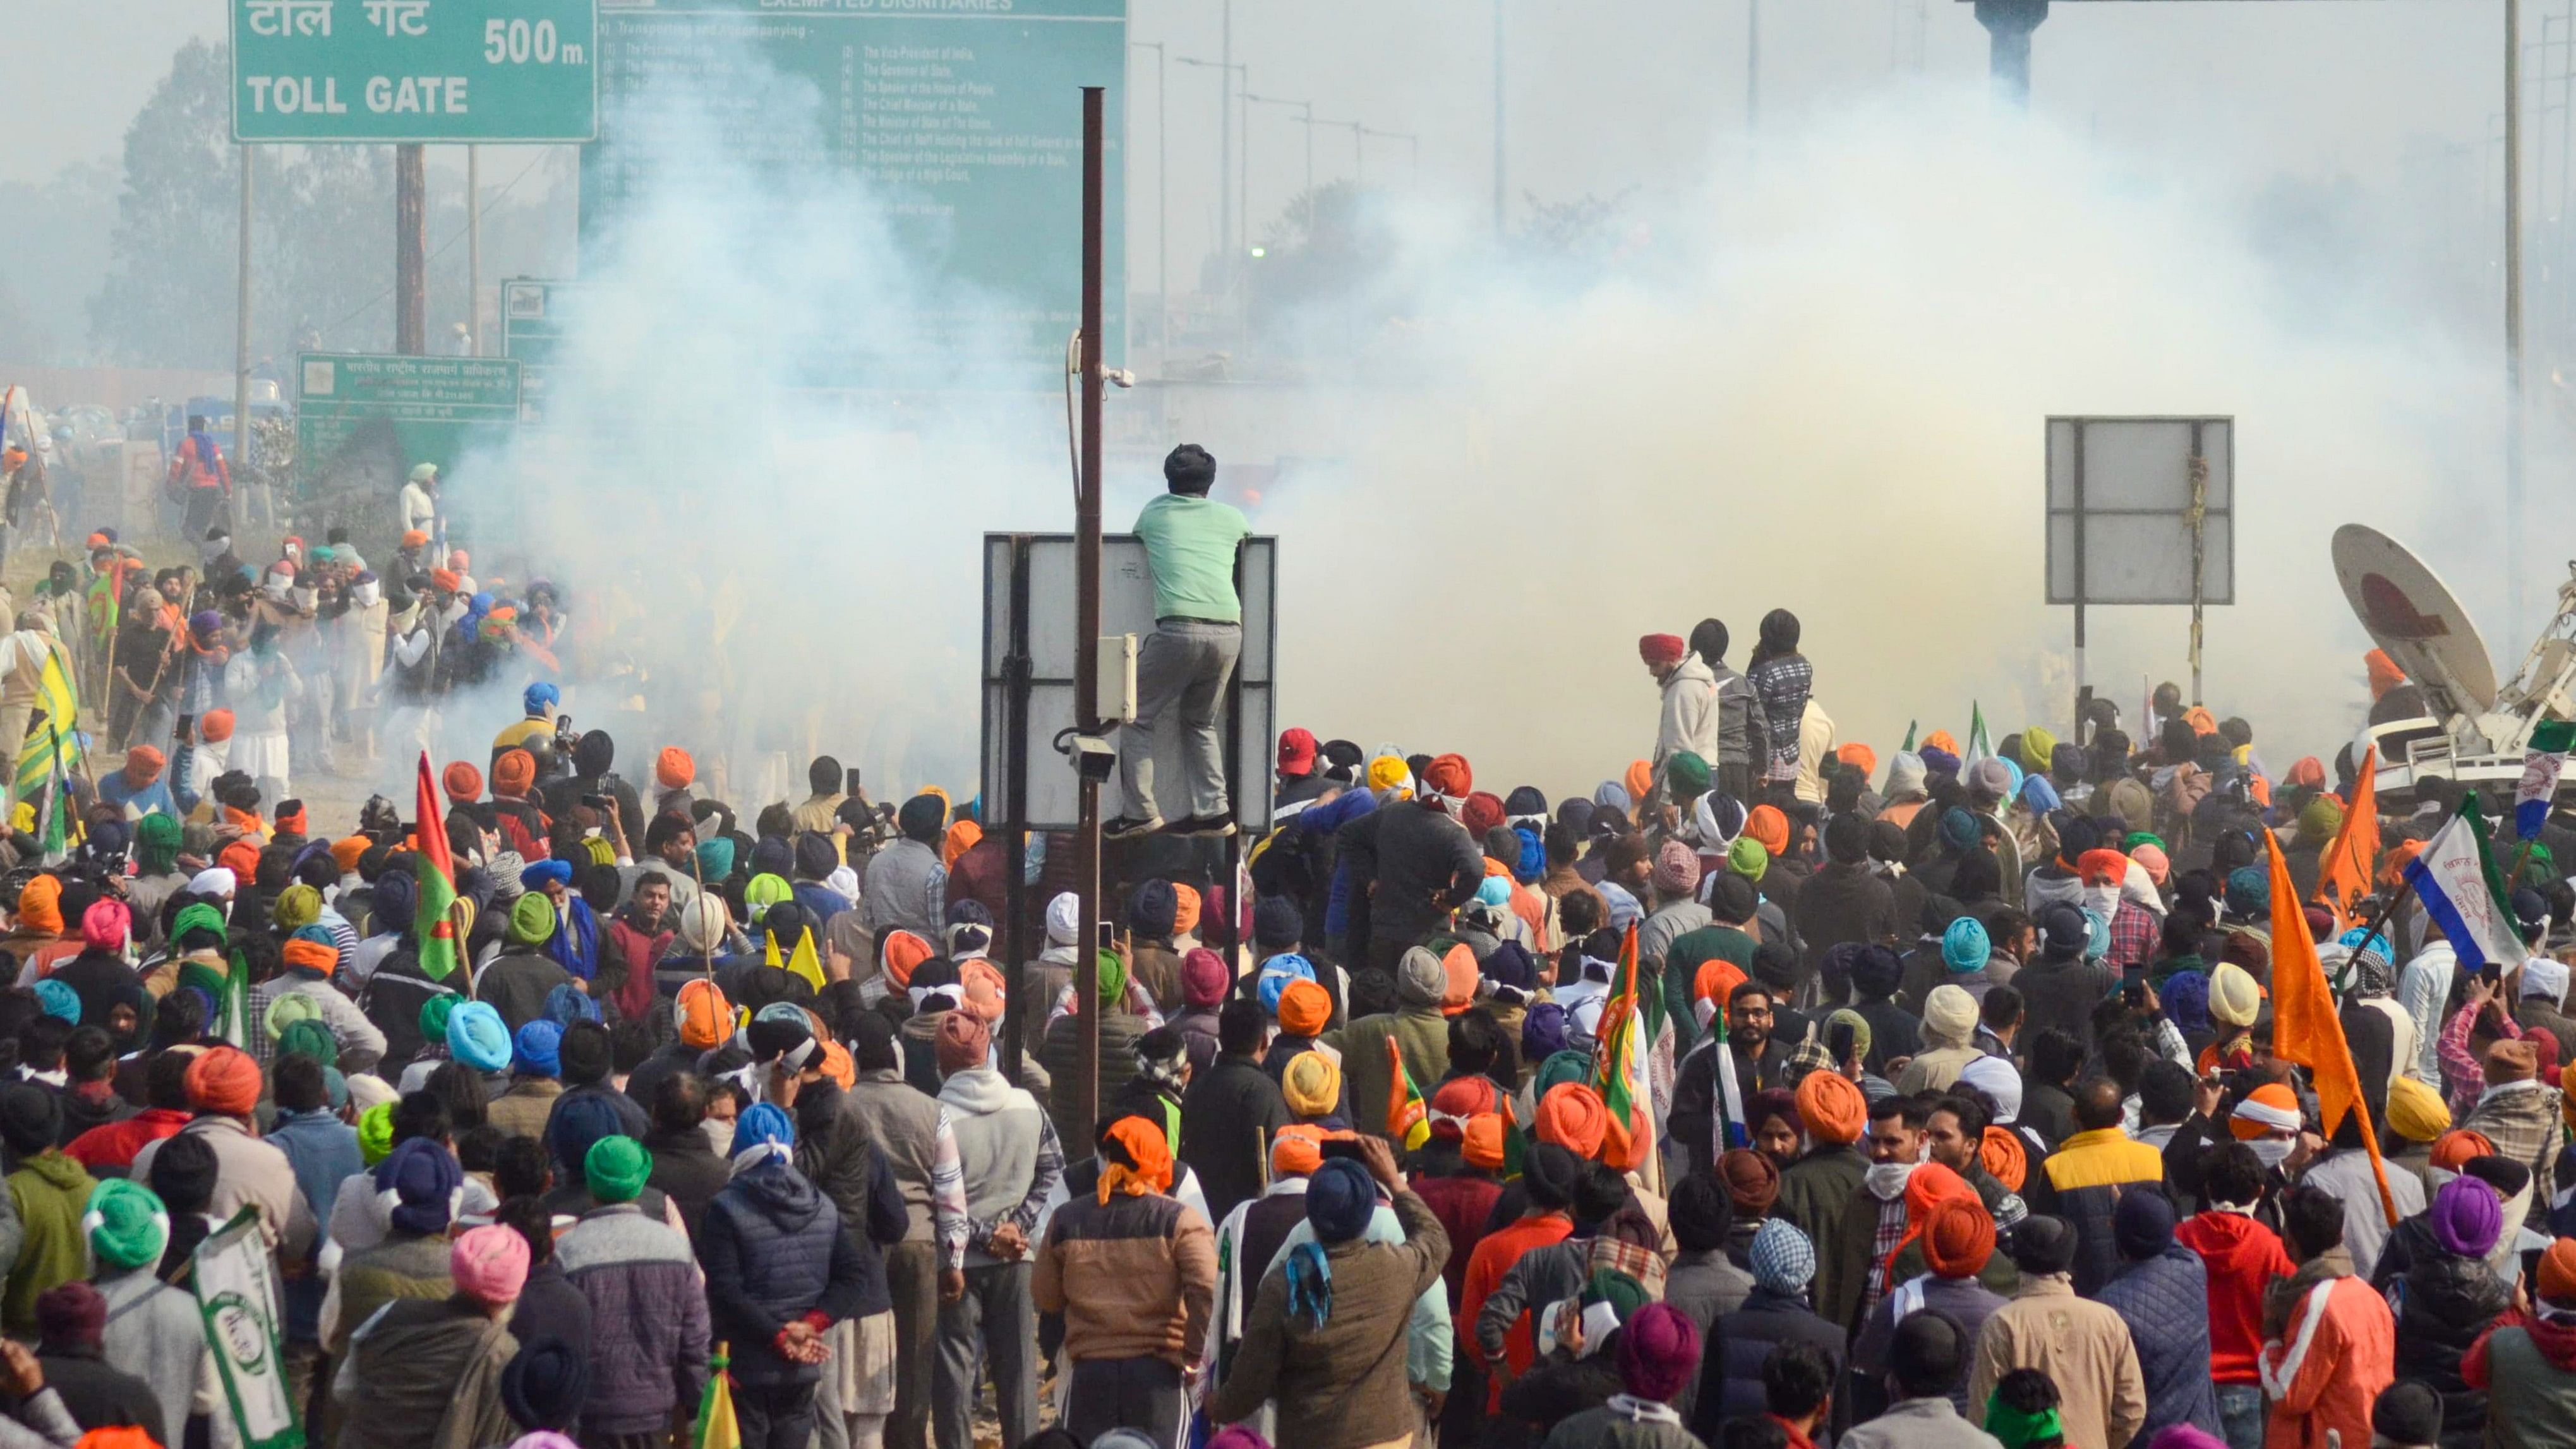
963,120
407,70
362,422
533,328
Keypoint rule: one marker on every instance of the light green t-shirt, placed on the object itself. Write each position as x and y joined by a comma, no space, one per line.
1190,544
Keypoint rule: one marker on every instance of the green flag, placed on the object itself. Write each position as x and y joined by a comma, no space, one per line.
433,870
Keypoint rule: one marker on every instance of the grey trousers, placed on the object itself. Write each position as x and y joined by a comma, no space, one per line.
995,1320
1184,665
912,1275
1142,1394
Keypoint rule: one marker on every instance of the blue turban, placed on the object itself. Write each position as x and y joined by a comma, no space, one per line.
535,876
1938,761
1542,1031
1276,973
1959,829
1612,794
567,1004
539,696
395,896
581,1119
1340,1197
2097,939
715,858
1965,946
2015,768
478,1037
2249,891
1533,860
763,1124
423,1178
2040,795
2185,998
1494,891
539,1051
58,999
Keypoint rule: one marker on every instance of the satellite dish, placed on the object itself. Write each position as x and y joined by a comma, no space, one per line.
2412,616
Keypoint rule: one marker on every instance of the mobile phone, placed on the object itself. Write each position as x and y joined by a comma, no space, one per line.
595,802
850,782
1839,1041
1347,1148
1108,936
563,726
186,730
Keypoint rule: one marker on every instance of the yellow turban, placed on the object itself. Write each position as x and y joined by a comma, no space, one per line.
2417,1111
1313,1084
2234,999
1388,772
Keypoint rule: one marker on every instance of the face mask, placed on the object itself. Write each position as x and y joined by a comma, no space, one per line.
366,594
1887,1179
2273,1151
719,1136
304,598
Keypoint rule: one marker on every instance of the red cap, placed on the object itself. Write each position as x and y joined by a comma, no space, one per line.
1296,750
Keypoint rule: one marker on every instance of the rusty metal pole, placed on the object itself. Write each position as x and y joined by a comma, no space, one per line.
411,252
1086,639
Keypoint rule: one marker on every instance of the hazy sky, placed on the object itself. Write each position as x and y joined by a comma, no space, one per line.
1603,98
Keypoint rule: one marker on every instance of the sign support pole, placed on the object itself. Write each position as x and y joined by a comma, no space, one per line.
2199,551
411,252
241,341
1086,639
2079,577
1015,814
474,250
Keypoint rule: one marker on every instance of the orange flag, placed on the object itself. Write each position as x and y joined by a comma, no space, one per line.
2343,872
2305,1028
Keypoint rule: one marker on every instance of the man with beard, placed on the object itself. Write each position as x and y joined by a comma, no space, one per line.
636,937
1761,1063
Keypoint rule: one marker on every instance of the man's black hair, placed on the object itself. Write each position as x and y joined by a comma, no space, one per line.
2164,1093
2000,1009
1796,1379
2055,1057
2232,1174
296,1081
1239,1024
1927,1354
522,1168
1910,1108
1972,1112
1190,469
2312,1220
680,1102
824,775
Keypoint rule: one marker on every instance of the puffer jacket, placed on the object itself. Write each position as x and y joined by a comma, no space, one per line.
1741,729
774,1251
2165,1302
2082,1182
1119,1033
1739,1343
648,1318
2444,1304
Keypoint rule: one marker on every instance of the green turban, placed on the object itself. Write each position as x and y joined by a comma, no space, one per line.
434,1014
763,891
376,1128
1747,858
1623,1293
156,843
128,1226
715,859
2137,838
297,906
532,920
1560,1068
615,1167
308,1038
1686,774
290,1010
2015,1429
2319,820
196,916
1113,979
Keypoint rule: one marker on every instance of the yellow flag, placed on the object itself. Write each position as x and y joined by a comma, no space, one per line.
717,1427
804,963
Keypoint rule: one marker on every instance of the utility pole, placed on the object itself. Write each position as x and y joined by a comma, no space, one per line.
1162,197
411,252
1498,119
1086,639
241,336
2513,400
1225,139
1308,107
2009,24
474,251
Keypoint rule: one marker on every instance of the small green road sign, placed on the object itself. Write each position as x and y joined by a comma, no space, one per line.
533,329
408,70
362,422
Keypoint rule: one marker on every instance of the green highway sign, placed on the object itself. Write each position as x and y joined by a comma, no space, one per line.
534,325
409,70
362,421
960,121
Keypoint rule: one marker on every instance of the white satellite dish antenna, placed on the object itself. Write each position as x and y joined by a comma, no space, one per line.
2412,616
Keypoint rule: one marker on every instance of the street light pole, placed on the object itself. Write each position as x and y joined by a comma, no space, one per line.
1308,107
2513,312
1226,72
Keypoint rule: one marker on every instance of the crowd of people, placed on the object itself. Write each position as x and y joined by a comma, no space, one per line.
1769,1096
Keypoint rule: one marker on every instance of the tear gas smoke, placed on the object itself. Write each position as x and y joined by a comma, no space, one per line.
1821,387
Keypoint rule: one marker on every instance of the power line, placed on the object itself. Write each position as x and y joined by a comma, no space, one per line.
371,303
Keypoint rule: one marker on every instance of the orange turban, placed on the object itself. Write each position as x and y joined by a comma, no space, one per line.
962,837
705,1016
1958,1237
2000,1152
226,1080
1831,1107
1186,907
2384,673
2309,772
2558,1271
514,772
1449,775
414,538
1716,982
904,951
1859,756
1484,1141
1297,1149
40,905
1572,1116
1767,825
345,853
2102,867
1942,740
984,991
464,782
2200,720
1930,1186
2456,1148
2267,1109
1461,972
1304,1008
445,580
1145,1147
1640,781
311,955
215,726
241,858
673,769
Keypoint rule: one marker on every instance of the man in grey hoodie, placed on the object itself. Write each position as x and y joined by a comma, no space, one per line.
998,1163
